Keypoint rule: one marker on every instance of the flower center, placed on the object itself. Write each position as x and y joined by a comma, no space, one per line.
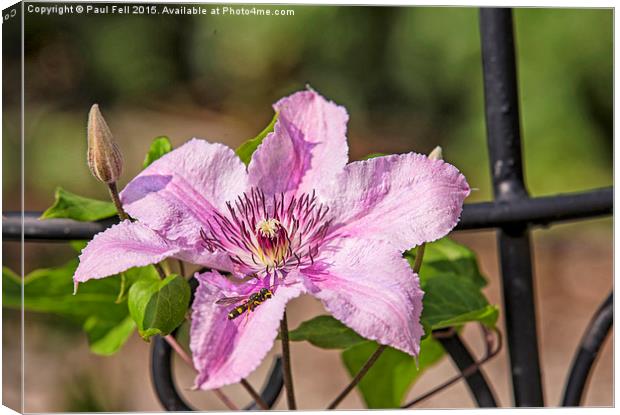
268,237
273,243
268,228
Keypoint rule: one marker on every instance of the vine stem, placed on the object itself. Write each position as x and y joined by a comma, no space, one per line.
465,373
257,398
379,351
418,259
286,364
362,372
179,350
181,268
185,357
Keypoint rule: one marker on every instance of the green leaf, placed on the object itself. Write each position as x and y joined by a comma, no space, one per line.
11,289
452,283
129,277
95,306
390,378
158,306
450,300
78,245
326,332
373,155
159,146
445,256
71,206
486,315
245,150
50,290
105,336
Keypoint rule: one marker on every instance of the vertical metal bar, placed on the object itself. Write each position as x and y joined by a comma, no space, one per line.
504,143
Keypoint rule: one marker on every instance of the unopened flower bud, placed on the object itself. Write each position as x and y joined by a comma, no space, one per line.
104,158
436,154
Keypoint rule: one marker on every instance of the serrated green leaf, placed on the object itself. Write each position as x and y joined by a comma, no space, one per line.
158,306
71,206
486,315
159,146
450,300
452,283
390,378
326,332
245,150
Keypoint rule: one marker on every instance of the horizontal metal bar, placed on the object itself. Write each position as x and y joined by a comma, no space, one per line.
539,211
49,229
535,211
591,343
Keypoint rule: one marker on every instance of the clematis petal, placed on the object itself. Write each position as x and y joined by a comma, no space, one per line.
177,194
226,351
308,145
371,288
125,245
200,256
405,199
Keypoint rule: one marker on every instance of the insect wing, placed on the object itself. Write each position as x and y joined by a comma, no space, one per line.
231,300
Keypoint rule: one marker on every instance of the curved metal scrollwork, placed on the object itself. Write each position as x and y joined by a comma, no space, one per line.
171,399
590,345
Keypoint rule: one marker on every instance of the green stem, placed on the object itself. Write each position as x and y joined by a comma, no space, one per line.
418,258
362,372
286,364
257,398
117,201
181,267
160,271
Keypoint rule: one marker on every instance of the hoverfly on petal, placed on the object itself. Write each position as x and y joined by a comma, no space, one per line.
249,302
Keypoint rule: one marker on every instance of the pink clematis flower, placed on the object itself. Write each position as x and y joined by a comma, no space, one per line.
298,220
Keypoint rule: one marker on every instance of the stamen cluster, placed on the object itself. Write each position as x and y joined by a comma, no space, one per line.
270,236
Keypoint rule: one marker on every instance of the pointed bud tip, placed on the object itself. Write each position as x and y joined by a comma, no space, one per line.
104,158
436,154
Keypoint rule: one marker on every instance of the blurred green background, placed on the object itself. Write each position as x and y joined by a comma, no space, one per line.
410,78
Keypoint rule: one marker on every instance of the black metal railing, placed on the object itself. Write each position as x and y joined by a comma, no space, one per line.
513,213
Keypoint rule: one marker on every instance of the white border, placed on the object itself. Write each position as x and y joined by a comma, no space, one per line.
546,3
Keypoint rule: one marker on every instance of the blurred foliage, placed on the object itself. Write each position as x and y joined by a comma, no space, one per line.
85,393
409,76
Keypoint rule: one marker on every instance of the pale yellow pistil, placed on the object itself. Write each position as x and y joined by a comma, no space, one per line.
272,242
268,227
